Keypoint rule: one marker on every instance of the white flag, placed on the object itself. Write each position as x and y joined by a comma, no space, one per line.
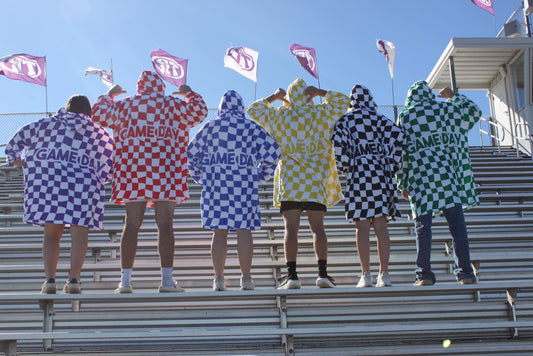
105,76
388,49
243,60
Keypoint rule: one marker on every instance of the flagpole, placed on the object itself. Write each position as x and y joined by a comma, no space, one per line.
112,77
394,108
255,91
46,84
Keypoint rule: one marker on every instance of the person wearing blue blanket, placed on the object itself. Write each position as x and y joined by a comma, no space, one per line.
229,156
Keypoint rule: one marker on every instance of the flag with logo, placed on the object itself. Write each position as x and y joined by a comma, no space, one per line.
24,67
486,5
389,50
243,60
170,68
306,56
105,76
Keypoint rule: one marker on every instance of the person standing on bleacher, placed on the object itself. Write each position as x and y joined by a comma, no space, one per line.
229,156
151,135
368,150
67,159
436,175
306,177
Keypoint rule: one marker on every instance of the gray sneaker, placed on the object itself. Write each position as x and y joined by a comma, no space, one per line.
219,284
247,283
72,287
49,287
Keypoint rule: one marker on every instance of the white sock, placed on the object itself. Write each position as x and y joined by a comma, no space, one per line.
125,277
166,277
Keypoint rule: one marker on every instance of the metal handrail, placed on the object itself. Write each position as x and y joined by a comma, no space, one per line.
498,127
527,137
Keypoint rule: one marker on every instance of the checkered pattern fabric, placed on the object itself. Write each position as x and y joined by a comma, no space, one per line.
68,159
436,168
368,149
151,135
307,170
229,156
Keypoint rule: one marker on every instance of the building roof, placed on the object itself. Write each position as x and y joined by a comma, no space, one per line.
477,61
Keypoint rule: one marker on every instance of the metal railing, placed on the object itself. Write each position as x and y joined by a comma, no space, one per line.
525,135
497,133
495,130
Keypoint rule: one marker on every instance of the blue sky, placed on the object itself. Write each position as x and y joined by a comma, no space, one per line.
76,34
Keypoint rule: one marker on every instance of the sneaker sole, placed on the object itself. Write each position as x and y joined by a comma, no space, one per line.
290,286
171,290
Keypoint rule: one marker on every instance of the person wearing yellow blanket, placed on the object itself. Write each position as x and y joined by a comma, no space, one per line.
306,177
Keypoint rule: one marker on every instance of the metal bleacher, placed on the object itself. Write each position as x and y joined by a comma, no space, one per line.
494,316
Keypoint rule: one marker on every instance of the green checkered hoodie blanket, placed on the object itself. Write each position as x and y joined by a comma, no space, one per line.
436,169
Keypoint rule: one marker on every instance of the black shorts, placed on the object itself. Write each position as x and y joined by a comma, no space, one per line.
301,205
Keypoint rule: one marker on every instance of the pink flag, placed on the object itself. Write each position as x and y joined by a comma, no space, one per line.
485,5
307,58
24,67
389,50
170,68
105,76
243,60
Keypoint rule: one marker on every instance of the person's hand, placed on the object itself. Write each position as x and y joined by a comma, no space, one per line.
405,194
446,93
311,91
116,90
18,163
183,90
279,94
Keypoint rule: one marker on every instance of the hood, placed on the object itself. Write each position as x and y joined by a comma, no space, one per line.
73,121
418,93
149,82
361,98
295,93
232,104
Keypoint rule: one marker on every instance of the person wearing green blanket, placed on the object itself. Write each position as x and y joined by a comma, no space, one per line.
436,175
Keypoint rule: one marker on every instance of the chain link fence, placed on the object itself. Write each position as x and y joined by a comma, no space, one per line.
10,123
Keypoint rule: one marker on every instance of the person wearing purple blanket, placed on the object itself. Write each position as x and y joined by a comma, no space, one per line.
67,159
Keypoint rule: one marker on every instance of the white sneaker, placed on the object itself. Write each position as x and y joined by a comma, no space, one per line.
247,283
287,283
383,280
123,289
219,284
171,289
365,281
325,282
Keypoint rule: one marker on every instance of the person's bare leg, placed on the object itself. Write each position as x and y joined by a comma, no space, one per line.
164,218
363,244
245,250
219,251
52,236
382,234
320,240
132,224
79,236
291,219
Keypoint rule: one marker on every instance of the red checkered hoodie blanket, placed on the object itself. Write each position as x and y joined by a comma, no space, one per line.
151,135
